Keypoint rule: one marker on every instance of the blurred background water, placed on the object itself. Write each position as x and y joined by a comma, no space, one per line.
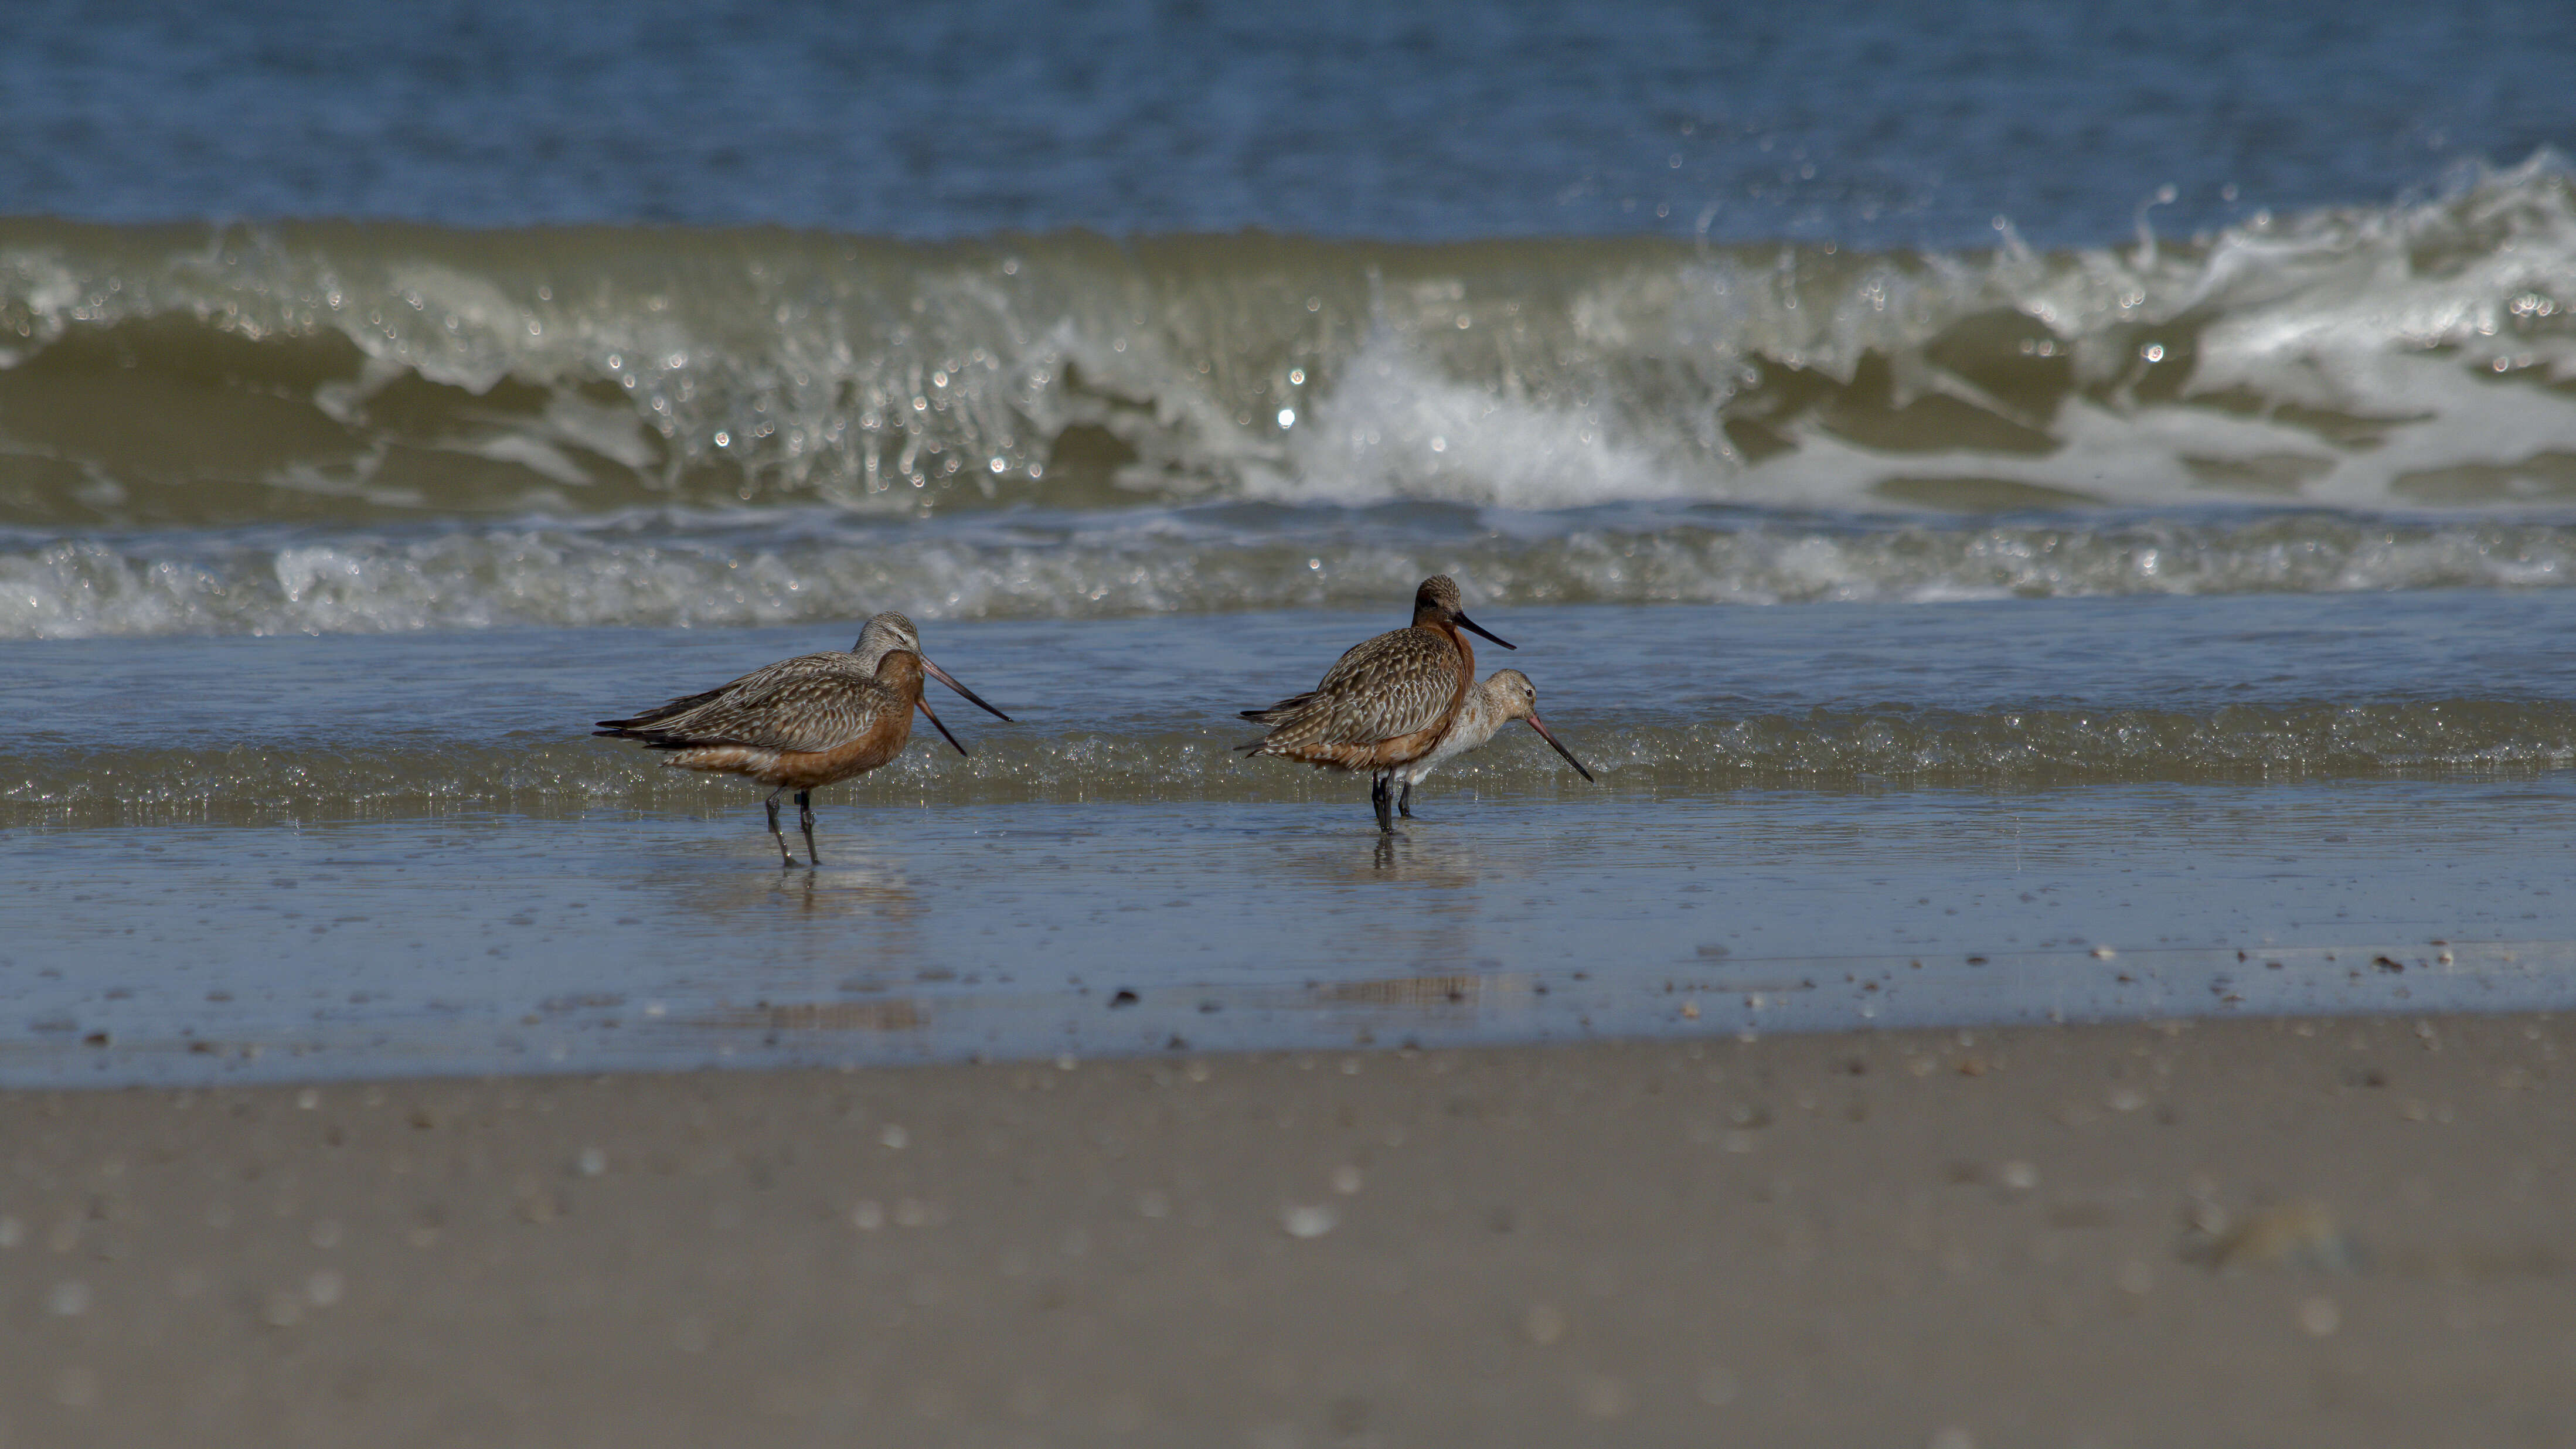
1880,125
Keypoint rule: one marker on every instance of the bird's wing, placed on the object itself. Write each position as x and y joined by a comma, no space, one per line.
1394,684
681,715
815,708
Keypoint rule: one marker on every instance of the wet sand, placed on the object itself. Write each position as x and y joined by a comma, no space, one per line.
2246,1232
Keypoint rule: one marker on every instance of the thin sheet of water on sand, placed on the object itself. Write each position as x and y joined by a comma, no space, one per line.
625,940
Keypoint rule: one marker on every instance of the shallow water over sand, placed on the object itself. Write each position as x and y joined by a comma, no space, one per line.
352,856
492,944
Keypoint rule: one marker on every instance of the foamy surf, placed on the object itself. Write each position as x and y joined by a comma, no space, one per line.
1660,703
704,570
2015,750
2402,356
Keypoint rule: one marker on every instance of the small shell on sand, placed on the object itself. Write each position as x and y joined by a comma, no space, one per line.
2293,1234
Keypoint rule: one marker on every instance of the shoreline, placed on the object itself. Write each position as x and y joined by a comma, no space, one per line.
2281,1232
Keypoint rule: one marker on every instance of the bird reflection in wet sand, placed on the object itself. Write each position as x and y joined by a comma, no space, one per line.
1506,697
801,724
1449,866
874,893
863,885
1384,704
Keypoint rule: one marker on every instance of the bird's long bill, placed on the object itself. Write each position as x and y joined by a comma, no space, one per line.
961,749
1560,749
942,675
1472,627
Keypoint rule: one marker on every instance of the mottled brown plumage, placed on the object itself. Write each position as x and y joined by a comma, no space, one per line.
1386,702
886,632
803,723
806,733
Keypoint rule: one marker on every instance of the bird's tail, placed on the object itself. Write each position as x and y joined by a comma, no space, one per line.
1275,716
659,712
651,739
1280,712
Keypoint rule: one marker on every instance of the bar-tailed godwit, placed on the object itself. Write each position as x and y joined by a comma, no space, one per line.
1506,697
801,724
1384,704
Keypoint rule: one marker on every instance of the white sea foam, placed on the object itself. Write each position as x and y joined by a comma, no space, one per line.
339,429
2362,358
628,572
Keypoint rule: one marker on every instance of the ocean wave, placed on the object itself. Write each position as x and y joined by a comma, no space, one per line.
532,774
713,572
2408,356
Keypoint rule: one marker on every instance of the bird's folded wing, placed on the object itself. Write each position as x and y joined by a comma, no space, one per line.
1391,685
809,710
675,714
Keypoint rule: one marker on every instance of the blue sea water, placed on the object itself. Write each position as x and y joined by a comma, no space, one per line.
1897,124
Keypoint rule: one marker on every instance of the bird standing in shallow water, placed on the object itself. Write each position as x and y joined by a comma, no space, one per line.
1507,696
1384,704
803,723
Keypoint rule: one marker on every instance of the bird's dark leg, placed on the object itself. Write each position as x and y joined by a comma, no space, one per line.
784,859
805,818
1382,796
1404,802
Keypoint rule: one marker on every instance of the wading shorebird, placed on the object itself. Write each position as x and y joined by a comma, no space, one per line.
1507,696
1386,703
801,724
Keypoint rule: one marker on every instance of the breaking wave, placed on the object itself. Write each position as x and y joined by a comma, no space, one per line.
334,427
2409,356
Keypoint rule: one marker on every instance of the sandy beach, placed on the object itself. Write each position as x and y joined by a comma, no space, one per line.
2241,1233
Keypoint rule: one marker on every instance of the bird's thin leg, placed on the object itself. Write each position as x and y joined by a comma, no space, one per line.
1382,796
1404,802
805,819
784,859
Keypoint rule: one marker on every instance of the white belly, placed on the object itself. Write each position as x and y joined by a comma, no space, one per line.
1474,725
